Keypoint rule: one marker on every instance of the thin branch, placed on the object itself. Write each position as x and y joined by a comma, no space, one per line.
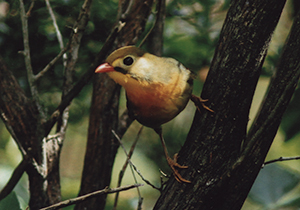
122,172
28,13
89,196
130,162
156,30
26,51
83,80
49,65
14,179
147,35
125,15
281,159
58,33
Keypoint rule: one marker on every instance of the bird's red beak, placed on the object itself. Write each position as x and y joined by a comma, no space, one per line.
105,67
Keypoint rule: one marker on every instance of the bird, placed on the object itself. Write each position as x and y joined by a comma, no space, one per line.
157,90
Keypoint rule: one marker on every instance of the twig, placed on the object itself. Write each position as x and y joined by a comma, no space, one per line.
28,13
89,196
281,159
49,65
130,162
58,33
83,80
122,172
156,32
148,33
125,15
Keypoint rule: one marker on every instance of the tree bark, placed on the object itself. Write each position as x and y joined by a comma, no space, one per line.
24,122
221,169
102,145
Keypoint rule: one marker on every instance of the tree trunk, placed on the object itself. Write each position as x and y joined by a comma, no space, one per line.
223,160
23,121
102,145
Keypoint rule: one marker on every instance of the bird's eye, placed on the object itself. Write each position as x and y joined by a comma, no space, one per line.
128,61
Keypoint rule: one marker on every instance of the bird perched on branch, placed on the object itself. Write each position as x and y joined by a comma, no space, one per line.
157,89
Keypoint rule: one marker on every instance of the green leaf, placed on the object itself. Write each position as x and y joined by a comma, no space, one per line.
272,183
11,202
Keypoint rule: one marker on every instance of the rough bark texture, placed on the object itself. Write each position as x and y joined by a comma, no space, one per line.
23,120
221,176
102,145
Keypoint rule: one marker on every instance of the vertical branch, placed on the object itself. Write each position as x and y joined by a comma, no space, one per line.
26,52
75,42
58,33
55,143
101,144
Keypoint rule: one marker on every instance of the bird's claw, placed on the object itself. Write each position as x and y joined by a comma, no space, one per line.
199,102
173,163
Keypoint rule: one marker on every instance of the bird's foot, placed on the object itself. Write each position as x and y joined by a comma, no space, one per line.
173,163
199,102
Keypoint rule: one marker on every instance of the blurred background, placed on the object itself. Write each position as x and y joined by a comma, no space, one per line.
191,34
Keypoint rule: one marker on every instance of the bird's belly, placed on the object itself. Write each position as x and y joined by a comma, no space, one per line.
153,108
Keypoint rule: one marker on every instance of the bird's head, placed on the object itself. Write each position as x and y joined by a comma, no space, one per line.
132,62
127,61
132,67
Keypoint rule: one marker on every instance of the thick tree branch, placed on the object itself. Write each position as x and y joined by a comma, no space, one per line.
101,144
281,89
266,123
214,141
22,118
14,179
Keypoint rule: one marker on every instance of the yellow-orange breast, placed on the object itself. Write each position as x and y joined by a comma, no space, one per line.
153,104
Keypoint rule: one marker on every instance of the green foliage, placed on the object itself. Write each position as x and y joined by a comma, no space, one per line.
291,119
272,184
11,202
